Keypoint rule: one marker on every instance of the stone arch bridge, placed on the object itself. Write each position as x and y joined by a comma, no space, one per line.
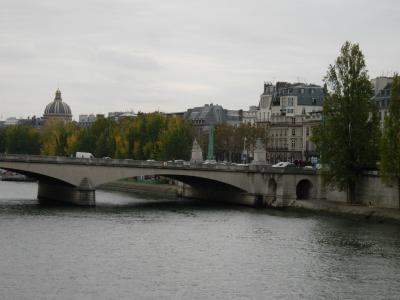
75,180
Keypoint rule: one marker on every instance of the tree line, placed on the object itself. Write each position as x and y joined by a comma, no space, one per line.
148,136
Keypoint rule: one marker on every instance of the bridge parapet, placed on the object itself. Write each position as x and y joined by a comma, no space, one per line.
225,167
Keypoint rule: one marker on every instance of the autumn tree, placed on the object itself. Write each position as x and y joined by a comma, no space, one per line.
59,138
390,141
348,136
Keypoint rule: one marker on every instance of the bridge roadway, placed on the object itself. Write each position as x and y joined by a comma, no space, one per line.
75,180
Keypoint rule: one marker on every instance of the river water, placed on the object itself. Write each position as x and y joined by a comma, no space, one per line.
152,247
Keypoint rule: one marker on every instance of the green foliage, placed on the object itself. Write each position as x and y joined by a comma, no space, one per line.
22,139
390,141
176,140
102,137
2,140
348,137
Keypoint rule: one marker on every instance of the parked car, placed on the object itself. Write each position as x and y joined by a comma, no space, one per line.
284,164
84,155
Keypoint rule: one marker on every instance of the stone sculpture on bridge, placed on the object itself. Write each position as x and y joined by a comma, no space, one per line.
260,154
197,154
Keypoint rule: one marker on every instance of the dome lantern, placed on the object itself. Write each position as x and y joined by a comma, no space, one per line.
58,95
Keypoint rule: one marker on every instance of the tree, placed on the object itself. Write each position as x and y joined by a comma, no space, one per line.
390,141
102,136
176,140
22,139
59,138
2,140
348,136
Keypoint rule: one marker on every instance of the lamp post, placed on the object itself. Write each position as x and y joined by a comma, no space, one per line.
210,154
244,156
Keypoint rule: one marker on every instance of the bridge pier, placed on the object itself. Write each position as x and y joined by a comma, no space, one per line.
83,195
225,196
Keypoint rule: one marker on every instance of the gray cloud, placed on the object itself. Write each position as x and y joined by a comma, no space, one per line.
171,55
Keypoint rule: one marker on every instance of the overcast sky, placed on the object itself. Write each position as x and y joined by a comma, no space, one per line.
147,55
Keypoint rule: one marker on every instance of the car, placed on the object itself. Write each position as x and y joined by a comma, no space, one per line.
210,162
284,164
84,155
150,160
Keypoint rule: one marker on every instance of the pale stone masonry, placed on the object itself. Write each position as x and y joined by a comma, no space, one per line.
290,111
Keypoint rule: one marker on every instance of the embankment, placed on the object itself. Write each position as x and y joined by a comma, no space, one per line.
132,186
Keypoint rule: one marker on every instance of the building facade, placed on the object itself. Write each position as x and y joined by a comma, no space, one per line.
119,115
382,89
290,111
87,120
250,116
202,116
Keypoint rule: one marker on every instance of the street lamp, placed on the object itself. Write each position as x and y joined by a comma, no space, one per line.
244,156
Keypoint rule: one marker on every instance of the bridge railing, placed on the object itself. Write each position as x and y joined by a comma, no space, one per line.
150,164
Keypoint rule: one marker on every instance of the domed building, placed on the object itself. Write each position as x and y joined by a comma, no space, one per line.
58,109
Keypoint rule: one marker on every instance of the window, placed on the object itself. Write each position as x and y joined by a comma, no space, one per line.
314,101
293,144
301,91
307,131
293,121
290,101
293,131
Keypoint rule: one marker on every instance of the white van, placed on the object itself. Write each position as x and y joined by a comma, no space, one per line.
83,155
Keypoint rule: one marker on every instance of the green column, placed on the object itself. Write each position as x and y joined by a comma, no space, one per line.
210,155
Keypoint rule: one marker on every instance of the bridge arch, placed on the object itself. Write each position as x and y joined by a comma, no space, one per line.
304,189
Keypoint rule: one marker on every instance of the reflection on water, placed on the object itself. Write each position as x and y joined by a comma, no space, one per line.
142,246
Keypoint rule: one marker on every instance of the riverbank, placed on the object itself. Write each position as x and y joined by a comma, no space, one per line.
348,210
130,186
317,206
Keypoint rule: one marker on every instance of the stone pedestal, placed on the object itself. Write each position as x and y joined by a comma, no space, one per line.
259,154
197,154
